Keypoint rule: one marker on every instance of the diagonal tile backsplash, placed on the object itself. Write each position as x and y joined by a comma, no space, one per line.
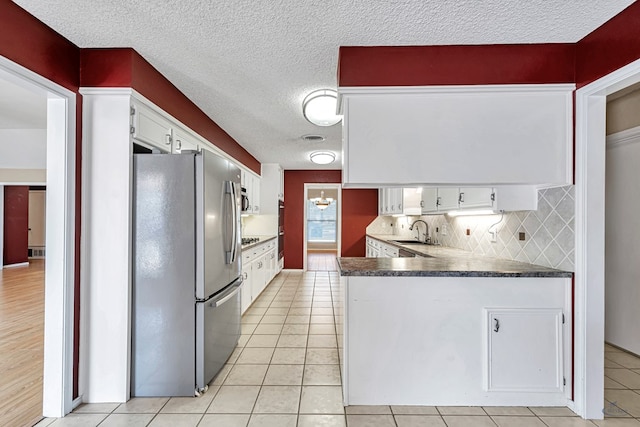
548,231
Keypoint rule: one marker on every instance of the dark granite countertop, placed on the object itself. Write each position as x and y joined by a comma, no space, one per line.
263,239
441,262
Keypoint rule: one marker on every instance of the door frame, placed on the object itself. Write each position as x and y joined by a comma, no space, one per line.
590,156
60,236
318,186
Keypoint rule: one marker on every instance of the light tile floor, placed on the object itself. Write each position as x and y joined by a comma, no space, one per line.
285,372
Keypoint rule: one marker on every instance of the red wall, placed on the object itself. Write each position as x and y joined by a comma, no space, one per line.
609,47
459,65
359,208
16,225
126,68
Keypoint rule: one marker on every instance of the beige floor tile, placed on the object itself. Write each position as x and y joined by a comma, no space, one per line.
609,347
321,400
234,355
419,421
248,328
176,420
295,329
127,420
322,311
248,318
617,422
367,410
300,311
566,422
517,421
299,341
262,341
96,408
552,411
222,375
226,420
273,319
277,311
278,399
625,359
255,356
322,356
322,375
256,311
414,410
626,400
626,377
508,410
284,375
322,341
322,320
293,319
268,329
320,329
246,375
272,420
301,303
468,421
234,400
609,383
322,421
188,405
45,422
622,400
322,304
370,421
461,410
611,364
242,341
79,420
142,405
288,356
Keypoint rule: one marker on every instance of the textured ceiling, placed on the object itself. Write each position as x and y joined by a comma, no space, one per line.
249,63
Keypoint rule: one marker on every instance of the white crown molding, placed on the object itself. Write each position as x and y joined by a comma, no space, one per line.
106,91
625,137
455,89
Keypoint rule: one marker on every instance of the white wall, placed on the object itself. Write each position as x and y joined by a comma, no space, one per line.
23,148
1,225
622,250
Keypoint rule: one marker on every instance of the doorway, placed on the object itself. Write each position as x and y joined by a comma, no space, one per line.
55,278
322,226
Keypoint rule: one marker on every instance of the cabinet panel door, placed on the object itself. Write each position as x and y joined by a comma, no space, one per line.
182,141
152,128
429,202
476,197
246,296
524,350
448,198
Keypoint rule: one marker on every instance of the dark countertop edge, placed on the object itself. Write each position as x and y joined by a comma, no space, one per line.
263,239
433,273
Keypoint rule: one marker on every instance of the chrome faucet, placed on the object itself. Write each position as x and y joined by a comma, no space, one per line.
426,229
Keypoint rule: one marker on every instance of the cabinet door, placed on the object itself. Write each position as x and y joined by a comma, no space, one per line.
412,198
255,193
448,199
476,197
151,128
183,141
246,296
397,200
429,200
524,350
258,279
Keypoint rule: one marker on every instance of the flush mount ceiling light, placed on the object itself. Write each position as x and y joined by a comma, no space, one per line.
319,107
322,157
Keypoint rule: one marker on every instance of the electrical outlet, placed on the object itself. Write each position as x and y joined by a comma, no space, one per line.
444,229
494,236
521,235
468,232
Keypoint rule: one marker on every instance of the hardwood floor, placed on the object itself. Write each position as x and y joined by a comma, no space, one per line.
21,344
321,261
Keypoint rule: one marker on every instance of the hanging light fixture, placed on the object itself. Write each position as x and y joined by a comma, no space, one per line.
319,107
321,202
322,157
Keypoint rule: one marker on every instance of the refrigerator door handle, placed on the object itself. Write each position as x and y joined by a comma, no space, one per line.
236,229
230,249
227,295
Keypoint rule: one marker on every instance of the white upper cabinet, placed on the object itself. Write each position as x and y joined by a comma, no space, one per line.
448,199
251,183
151,128
271,188
429,200
476,198
183,141
457,135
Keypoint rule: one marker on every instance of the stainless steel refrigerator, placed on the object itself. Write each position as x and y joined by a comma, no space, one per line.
186,271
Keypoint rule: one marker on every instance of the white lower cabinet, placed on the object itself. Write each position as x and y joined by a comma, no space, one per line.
524,350
259,267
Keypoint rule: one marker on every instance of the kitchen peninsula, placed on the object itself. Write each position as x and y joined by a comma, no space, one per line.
455,329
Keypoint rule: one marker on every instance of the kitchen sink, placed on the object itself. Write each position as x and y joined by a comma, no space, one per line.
409,242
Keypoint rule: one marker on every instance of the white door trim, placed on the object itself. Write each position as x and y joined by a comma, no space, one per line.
60,236
589,274
307,187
